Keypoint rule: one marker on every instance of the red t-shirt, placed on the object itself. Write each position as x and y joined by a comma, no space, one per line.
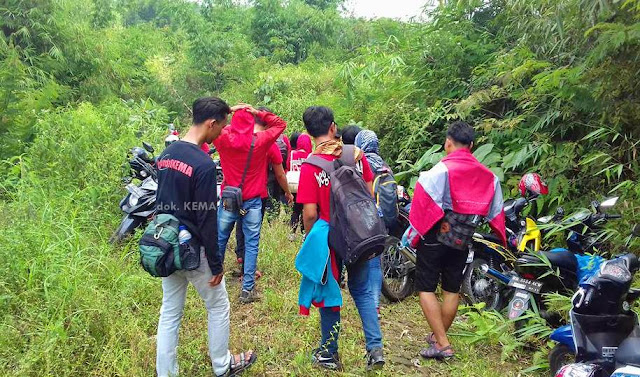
314,186
274,157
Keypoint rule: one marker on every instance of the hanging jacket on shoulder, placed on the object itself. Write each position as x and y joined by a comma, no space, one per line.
318,286
356,230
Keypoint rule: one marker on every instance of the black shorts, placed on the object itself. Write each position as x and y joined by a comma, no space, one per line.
436,261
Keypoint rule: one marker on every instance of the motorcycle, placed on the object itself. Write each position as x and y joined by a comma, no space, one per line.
557,270
398,263
485,250
603,334
139,205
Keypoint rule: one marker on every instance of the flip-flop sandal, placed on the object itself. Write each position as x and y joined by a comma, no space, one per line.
431,339
241,366
439,354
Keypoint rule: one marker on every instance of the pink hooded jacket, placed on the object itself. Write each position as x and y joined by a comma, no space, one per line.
297,157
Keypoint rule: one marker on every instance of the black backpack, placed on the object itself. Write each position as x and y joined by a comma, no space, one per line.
356,231
284,150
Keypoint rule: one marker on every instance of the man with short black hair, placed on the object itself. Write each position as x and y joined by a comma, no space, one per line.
314,192
187,190
349,134
448,198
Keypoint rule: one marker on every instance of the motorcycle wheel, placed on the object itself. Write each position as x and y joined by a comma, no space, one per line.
397,272
559,356
127,226
477,288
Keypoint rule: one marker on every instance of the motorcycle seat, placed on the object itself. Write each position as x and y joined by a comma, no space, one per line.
512,207
563,259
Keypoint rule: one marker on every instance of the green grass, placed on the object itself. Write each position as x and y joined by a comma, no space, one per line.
93,312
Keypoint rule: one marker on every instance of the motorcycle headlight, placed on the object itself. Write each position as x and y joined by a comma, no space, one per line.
144,173
133,200
578,370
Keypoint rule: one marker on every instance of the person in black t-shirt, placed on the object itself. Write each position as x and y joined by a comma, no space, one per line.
187,190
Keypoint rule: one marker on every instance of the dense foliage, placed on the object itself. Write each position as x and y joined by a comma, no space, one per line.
550,85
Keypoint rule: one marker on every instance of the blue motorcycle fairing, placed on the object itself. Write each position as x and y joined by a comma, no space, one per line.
564,335
588,265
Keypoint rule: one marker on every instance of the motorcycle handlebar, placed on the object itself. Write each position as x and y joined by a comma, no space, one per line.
633,294
589,296
147,166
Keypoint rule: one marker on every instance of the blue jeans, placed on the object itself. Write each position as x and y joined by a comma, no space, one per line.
251,223
364,299
375,279
240,235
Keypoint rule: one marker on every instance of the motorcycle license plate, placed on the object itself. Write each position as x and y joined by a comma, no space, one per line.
519,303
470,256
525,284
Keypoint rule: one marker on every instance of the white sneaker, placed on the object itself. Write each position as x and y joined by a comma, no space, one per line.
292,237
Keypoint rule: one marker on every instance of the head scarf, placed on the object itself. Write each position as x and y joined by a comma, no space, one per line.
304,143
368,142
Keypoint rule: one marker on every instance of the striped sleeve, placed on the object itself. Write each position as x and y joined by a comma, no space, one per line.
496,215
428,201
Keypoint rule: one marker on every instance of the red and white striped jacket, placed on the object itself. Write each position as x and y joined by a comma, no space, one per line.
459,183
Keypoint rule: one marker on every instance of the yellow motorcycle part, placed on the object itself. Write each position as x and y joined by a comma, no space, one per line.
531,236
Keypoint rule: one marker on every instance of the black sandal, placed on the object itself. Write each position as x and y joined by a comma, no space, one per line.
433,352
241,366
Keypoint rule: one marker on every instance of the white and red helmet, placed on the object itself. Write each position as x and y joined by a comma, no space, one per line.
532,184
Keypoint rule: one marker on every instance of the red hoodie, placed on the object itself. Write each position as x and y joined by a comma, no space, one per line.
297,157
233,146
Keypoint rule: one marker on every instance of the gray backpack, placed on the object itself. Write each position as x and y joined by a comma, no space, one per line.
356,231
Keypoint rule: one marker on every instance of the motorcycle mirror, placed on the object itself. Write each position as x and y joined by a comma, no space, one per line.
608,203
545,219
147,146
